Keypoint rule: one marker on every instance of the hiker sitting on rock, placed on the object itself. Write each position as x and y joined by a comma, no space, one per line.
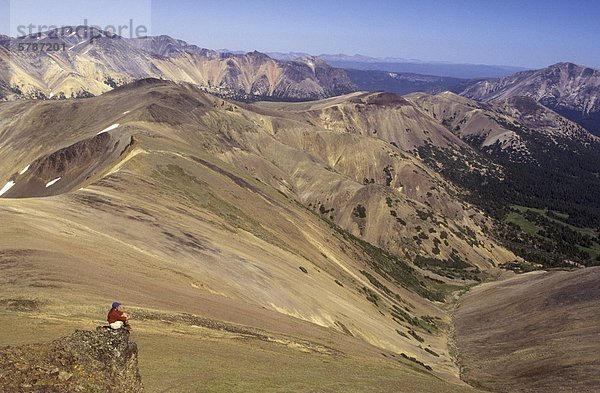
117,319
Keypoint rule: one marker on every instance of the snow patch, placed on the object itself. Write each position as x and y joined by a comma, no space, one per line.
24,169
52,182
7,187
114,126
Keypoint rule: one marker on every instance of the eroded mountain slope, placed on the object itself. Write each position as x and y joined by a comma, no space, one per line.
393,199
205,206
548,163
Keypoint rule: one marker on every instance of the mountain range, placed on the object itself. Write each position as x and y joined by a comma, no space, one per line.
93,66
260,214
410,66
92,62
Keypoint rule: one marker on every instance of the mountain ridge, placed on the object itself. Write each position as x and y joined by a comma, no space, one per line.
97,61
569,89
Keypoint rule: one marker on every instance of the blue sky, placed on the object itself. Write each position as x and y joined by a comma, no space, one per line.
529,33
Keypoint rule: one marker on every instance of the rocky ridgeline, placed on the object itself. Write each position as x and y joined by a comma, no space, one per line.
86,361
569,89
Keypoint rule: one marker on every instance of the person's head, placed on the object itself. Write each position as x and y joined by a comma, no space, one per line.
116,305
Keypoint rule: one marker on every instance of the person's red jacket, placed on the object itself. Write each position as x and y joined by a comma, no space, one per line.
115,315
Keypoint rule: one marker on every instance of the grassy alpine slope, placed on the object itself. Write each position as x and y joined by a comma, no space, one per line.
534,333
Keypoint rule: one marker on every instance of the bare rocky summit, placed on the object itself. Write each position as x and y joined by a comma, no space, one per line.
569,89
86,361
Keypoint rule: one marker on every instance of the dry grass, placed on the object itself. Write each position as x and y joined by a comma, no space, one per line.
182,357
536,333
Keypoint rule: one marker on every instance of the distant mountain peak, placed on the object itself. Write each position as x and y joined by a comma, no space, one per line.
167,46
258,55
566,64
570,89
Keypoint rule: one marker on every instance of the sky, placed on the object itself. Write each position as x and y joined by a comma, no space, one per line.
526,33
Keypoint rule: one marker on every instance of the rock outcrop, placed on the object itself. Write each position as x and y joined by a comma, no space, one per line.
86,361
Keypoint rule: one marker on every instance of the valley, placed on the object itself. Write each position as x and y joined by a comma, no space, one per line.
535,333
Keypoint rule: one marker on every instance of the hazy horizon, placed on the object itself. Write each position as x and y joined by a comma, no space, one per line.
534,34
